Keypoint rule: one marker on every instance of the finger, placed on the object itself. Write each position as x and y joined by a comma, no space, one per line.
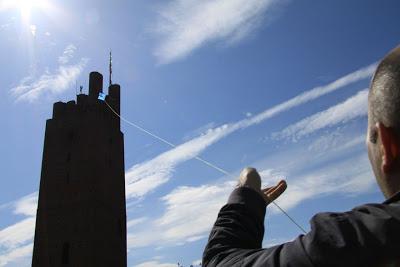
268,189
276,191
271,188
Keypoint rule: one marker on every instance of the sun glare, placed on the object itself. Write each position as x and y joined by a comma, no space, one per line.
26,6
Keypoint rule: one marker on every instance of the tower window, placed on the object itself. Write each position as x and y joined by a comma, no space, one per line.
65,253
69,157
67,177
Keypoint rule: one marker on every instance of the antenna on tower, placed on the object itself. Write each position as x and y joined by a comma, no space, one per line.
110,67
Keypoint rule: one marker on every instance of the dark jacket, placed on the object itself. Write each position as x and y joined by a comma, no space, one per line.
368,235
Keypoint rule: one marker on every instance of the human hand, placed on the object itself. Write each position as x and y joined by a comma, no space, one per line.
273,192
249,177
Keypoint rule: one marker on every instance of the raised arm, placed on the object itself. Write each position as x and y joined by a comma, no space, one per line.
366,236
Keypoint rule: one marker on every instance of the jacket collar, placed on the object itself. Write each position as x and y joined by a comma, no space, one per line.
394,198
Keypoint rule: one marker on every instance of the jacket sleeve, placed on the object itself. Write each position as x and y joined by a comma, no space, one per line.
366,236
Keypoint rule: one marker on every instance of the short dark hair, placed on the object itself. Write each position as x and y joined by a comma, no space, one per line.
384,93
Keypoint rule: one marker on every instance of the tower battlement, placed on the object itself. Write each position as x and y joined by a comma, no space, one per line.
85,104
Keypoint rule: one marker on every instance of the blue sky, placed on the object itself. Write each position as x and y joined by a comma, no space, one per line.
278,85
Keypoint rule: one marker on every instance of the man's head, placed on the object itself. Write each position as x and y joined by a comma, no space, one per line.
383,136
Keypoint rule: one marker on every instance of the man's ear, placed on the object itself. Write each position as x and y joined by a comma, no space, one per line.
390,147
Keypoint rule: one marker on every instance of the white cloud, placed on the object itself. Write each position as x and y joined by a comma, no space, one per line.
187,25
197,262
27,205
334,141
31,88
351,143
155,264
136,221
67,55
199,131
350,176
352,108
5,26
16,254
16,239
315,93
190,212
145,177
271,176
17,234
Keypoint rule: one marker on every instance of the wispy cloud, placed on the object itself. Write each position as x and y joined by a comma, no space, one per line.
183,205
16,239
199,131
27,205
67,55
357,178
16,255
352,108
17,234
31,88
197,262
136,221
334,141
8,23
145,177
5,26
187,25
190,212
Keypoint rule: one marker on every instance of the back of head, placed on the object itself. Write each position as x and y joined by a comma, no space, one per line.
383,140
384,95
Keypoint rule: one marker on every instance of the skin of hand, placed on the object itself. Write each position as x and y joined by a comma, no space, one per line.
249,177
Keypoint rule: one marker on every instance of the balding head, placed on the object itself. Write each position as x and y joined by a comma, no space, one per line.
384,95
383,137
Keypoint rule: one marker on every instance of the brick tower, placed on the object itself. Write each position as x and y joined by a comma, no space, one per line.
81,216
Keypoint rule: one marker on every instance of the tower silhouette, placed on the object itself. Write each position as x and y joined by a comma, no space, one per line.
81,216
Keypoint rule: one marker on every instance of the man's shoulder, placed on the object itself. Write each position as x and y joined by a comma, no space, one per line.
367,208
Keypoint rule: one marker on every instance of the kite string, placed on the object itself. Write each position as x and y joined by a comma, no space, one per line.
206,162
